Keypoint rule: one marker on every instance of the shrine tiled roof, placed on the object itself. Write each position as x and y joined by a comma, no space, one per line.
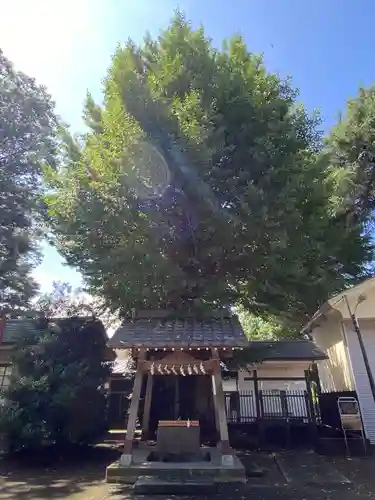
13,329
286,350
155,330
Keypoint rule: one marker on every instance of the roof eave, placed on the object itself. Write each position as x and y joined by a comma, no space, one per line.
123,345
331,304
303,358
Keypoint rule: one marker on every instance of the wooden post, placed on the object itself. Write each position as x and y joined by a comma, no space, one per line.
176,404
259,407
256,393
286,420
284,405
310,398
314,374
2,327
133,412
237,401
219,401
311,409
147,407
216,416
261,404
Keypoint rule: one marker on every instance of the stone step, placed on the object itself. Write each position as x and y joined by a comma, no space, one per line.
149,485
117,474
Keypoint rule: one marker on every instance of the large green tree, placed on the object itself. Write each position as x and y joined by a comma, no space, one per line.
201,183
27,128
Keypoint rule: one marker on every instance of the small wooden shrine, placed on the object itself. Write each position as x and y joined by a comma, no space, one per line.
181,349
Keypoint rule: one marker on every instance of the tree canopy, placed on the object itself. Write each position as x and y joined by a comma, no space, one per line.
203,182
351,151
27,129
64,301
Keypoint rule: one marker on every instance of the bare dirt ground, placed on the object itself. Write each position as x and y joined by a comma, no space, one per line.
77,476
81,477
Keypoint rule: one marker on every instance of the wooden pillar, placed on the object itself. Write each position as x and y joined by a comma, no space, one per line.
314,376
216,416
219,402
312,408
176,403
256,394
133,412
147,407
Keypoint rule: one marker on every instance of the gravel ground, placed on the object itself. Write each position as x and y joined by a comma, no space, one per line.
80,477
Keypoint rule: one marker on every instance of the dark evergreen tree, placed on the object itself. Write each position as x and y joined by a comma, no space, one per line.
56,396
27,141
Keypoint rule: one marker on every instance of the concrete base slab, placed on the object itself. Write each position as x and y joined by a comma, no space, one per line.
212,470
146,485
125,460
227,460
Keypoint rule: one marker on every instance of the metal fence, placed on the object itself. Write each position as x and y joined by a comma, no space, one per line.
249,406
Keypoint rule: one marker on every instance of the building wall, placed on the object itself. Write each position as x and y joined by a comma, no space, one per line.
362,384
335,373
5,354
285,369
363,309
272,403
345,369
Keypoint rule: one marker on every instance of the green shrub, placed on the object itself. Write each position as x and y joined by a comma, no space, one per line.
55,395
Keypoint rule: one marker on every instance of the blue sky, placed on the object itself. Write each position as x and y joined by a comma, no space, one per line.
326,46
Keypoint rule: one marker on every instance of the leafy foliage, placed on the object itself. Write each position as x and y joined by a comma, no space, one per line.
265,327
200,184
64,301
54,395
351,148
27,127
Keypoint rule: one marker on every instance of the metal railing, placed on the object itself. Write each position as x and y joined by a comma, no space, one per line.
249,406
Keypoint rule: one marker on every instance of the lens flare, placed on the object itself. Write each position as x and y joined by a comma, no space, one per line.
149,176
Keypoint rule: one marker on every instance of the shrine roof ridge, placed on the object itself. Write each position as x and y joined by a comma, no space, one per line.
155,329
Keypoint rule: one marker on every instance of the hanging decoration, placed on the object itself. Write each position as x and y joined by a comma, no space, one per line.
183,370
179,364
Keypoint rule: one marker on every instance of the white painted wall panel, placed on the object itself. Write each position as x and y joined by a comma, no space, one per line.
362,385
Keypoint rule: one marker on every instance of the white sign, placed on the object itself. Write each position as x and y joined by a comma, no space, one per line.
350,414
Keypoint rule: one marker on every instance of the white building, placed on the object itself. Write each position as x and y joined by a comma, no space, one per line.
333,330
280,377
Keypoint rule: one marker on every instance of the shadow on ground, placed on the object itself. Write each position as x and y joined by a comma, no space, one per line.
79,475
51,475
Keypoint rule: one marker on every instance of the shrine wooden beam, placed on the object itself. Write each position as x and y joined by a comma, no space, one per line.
133,412
219,401
147,407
